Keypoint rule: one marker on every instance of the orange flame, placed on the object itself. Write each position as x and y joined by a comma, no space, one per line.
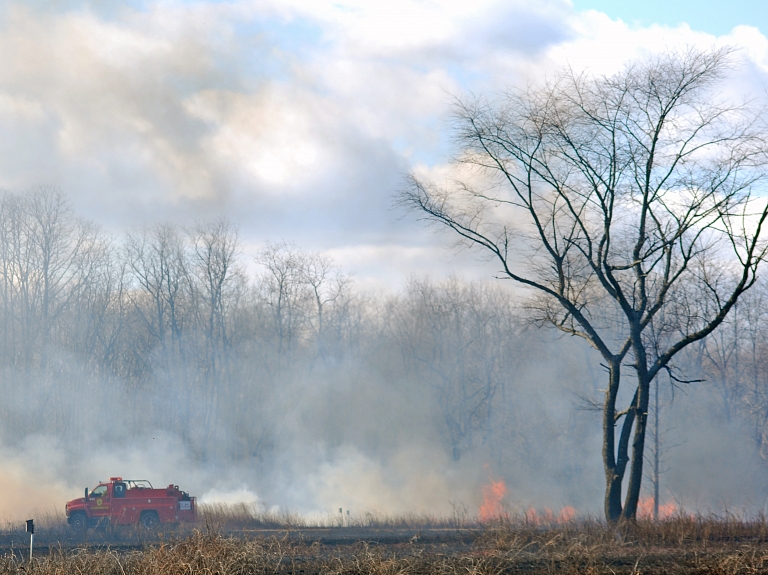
535,518
567,514
645,509
531,517
492,495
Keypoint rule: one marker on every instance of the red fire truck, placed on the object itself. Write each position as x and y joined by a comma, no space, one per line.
130,502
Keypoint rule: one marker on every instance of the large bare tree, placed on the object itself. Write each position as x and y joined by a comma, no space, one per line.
628,205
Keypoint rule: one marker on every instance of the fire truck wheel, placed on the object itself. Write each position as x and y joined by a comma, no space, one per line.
150,520
79,522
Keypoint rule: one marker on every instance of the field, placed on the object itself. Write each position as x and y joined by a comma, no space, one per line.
236,540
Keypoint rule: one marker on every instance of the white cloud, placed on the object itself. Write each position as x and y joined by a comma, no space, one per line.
181,110
271,136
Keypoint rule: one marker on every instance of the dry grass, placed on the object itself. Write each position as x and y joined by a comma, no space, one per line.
228,517
49,519
243,516
681,545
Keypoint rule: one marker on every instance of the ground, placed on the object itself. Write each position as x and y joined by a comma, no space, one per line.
679,545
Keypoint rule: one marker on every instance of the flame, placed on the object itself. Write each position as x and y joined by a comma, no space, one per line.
492,508
493,493
645,509
567,514
536,518
531,517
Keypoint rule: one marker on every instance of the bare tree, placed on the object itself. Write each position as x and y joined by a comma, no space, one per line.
157,259
47,255
625,204
216,278
751,373
456,337
328,287
99,312
284,290
214,252
734,360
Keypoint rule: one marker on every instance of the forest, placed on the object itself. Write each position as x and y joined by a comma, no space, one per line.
275,373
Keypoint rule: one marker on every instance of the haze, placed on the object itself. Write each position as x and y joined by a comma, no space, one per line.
296,121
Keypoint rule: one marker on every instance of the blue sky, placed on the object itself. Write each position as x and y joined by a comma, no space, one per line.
714,17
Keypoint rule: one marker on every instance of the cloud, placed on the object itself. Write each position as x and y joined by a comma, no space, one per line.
293,117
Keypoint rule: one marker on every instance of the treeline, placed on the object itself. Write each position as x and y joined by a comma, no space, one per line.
733,363
167,330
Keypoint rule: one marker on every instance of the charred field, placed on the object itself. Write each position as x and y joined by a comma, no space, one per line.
403,545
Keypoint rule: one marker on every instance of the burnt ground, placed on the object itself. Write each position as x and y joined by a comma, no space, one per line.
129,539
682,545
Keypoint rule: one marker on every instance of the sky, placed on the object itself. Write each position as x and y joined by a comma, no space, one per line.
713,17
299,119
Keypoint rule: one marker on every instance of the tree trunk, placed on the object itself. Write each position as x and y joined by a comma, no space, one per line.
656,456
612,478
638,450
642,398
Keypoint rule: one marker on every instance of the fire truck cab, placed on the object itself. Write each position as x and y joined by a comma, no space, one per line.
130,502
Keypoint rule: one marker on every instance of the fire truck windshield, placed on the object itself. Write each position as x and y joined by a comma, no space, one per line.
99,491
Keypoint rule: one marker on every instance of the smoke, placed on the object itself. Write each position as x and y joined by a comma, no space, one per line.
238,495
29,482
352,438
297,391
361,435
